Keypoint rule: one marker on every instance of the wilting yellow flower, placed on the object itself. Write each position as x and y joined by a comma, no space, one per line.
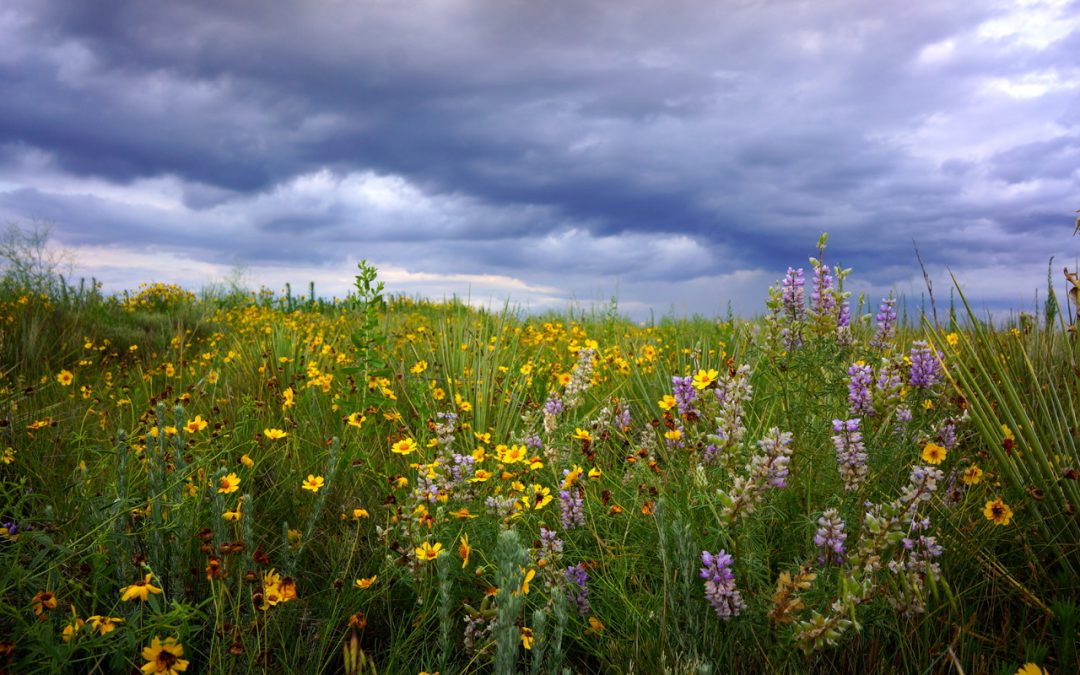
972,475
195,425
228,484
234,515
526,637
596,626
357,419
464,550
933,453
704,378
997,512
364,584
164,658
427,552
42,603
594,473
65,378
140,590
313,483
73,627
247,461
405,446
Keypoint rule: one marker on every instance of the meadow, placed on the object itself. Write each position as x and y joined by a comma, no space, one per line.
263,482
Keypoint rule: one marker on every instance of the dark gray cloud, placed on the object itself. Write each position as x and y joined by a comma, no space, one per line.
557,143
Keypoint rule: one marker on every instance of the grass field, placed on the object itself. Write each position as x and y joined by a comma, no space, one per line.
245,483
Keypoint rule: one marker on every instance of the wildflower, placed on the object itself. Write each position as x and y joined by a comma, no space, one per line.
932,453
596,626
359,513
850,452
42,603
480,476
925,367
366,583
234,515
972,475
8,456
313,483
953,339
65,378
464,550
530,574
829,538
427,552
666,403
571,508
288,399
526,637
140,590
997,512
720,588
356,419
577,580
228,484
886,323
274,434
704,378
594,473
104,624
418,367
1031,668
164,657
511,455
195,425
582,434
247,461
405,446
860,399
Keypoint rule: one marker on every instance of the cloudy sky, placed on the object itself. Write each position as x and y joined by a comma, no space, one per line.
679,153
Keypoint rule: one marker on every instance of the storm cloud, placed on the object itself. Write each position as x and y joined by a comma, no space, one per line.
680,154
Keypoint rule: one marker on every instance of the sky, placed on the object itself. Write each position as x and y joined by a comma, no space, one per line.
678,155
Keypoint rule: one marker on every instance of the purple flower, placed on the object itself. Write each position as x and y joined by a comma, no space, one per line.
886,323
720,588
685,393
925,366
850,452
946,434
860,398
824,301
622,417
843,318
829,538
577,580
554,405
571,509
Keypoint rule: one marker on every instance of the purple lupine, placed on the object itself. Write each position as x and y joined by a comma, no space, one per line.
823,299
922,482
554,405
720,588
946,434
829,538
860,399
850,452
534,442
685,393
577,582
571,508
550,544
925,366
622,417
843,317
793,295
710,453
768,468
921,550
886,323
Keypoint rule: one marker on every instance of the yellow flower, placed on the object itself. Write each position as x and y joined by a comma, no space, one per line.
104,624
572,476
427,552
74,627
541,497
418,367
933,453
462,513
356,419
43,602
480,475
952,339
274,434
530,574
596,626
972,475
526,637
405,446
464,550
313,483
233,516
359,513
247,461
164,657
228,484
364,584
195,425
582,434
1032,669
65,378
288,399
997,512
594,473
140,590
511,455
666,403
704,378
673,435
